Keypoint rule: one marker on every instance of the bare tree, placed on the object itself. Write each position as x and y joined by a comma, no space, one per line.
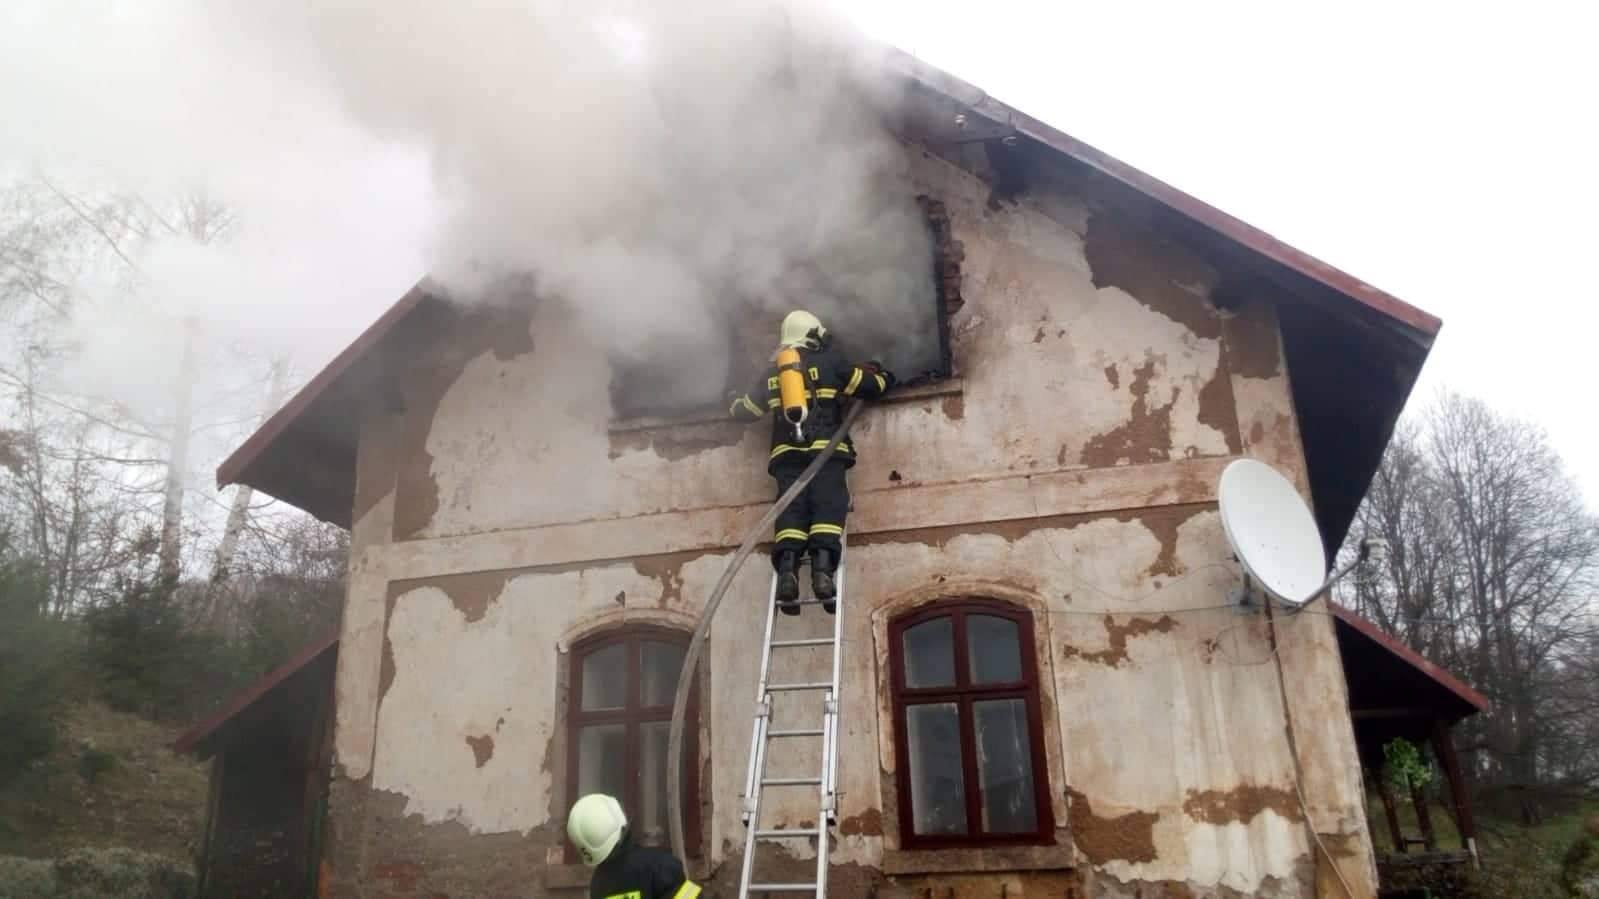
81,468
239,508
1493,571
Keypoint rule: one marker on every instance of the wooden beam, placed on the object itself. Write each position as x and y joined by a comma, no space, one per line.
1443,745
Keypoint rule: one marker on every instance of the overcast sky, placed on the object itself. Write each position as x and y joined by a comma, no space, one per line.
1445,153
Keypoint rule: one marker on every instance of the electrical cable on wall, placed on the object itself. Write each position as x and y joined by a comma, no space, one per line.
1293,753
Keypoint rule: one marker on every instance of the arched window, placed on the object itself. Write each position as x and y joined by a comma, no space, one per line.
971,768
619,711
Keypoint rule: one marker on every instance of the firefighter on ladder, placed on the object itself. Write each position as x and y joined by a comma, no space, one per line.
804,393
622,868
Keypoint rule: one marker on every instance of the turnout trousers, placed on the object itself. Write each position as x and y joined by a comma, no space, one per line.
815,520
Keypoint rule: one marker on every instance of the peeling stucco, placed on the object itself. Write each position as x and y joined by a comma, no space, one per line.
668,570
1159,272
471,594
868,823
1116,636
482,748
1146,435
1241,803
1217,408
498,332
1127,837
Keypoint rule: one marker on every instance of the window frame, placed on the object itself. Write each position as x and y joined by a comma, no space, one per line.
632,715
946,258
964,693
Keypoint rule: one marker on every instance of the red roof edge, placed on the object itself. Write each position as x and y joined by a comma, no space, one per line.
1205,214
1438,674
190,740
232,469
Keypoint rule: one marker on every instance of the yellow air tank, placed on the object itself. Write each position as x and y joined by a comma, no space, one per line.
791,388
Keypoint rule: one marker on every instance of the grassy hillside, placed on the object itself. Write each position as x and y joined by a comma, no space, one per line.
111,781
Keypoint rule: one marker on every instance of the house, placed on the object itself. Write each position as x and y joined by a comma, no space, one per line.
526,570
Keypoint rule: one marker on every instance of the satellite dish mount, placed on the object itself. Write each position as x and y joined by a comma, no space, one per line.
1275,540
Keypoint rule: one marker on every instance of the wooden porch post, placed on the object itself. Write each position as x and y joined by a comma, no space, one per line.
1390,811
1423,817
1443,745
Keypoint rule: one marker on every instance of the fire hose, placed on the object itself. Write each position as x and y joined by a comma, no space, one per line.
685,678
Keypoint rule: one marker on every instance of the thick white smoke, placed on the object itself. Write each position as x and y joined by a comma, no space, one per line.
660,167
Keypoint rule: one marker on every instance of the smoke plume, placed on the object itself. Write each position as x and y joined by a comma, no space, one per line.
672,172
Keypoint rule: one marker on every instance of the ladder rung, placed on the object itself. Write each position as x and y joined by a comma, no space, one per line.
791,781
821,685
812,641
788,833
772,734
781,887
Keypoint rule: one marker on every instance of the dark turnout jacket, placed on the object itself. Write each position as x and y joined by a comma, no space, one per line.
640,872
829,381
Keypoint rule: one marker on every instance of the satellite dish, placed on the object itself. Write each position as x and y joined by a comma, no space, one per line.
1272,532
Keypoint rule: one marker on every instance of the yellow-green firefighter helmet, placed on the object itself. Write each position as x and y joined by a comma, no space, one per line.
595,826
800,328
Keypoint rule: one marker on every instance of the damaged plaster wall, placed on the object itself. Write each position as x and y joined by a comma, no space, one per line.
1062,371
1072,473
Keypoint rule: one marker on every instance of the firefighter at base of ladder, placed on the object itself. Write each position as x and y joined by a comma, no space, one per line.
804,393
622,870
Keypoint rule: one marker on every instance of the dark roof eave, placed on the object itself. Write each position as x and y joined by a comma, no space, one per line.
236,467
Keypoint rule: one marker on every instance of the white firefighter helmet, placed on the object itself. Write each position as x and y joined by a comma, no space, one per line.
595,826
797,329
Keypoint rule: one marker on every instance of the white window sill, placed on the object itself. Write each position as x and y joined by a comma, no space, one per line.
946,387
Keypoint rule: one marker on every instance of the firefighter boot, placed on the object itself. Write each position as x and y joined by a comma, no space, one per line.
787,564
824,563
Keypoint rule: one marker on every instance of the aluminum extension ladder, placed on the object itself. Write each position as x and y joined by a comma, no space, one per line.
762,734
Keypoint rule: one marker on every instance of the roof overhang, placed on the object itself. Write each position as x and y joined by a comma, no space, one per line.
1393,690
310,669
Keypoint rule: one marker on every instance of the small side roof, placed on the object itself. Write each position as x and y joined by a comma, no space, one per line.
1393,690
251,706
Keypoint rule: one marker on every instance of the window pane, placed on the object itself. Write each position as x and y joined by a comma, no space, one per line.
662,663
938,792
650,822
930,654
1005,766
602,760
605,678
993,646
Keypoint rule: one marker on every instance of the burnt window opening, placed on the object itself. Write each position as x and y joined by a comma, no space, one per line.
693,379
619,710
968,730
